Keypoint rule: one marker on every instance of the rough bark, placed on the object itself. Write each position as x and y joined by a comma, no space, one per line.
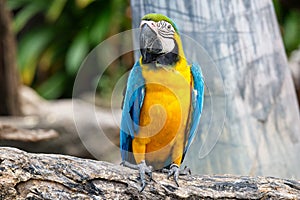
260,134
9,96
48,176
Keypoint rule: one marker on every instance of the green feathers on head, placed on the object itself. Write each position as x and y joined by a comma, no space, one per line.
159,17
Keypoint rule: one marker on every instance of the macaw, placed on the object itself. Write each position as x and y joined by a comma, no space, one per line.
163,101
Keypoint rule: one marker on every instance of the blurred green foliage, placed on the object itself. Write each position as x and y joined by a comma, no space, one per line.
54,37
288,15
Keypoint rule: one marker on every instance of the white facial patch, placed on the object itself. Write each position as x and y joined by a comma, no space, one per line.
165,33
167,43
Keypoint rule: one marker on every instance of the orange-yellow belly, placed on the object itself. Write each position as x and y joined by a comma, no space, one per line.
164,117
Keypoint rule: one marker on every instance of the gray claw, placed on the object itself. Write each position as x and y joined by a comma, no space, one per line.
143,169
174,170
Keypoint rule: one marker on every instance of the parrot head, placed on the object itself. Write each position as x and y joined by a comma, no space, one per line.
159,40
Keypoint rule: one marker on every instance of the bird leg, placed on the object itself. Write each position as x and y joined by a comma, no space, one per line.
143,170
175,171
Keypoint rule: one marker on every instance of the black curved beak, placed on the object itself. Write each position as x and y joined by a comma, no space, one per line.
150,45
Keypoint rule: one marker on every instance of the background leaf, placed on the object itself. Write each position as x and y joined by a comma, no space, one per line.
55,9
77,52
53,87
24,15
30,49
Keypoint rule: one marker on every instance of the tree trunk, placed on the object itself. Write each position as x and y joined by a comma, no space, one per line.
247,78
9,84
41,176
294,63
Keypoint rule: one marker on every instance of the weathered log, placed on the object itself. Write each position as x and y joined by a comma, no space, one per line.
48,176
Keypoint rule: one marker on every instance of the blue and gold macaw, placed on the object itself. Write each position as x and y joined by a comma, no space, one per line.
163,101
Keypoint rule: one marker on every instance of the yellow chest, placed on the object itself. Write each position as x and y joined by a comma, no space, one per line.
166,105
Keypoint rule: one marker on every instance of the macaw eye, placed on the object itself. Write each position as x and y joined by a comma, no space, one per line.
169,26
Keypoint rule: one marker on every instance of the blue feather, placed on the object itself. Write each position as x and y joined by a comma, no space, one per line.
133,101
197,103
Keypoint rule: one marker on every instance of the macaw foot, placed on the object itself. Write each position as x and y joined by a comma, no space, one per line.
143,170
175,171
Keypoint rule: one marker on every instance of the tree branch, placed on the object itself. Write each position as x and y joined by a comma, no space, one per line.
48,176
8,132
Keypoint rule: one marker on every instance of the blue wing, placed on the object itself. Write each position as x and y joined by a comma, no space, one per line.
197,103
133,101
